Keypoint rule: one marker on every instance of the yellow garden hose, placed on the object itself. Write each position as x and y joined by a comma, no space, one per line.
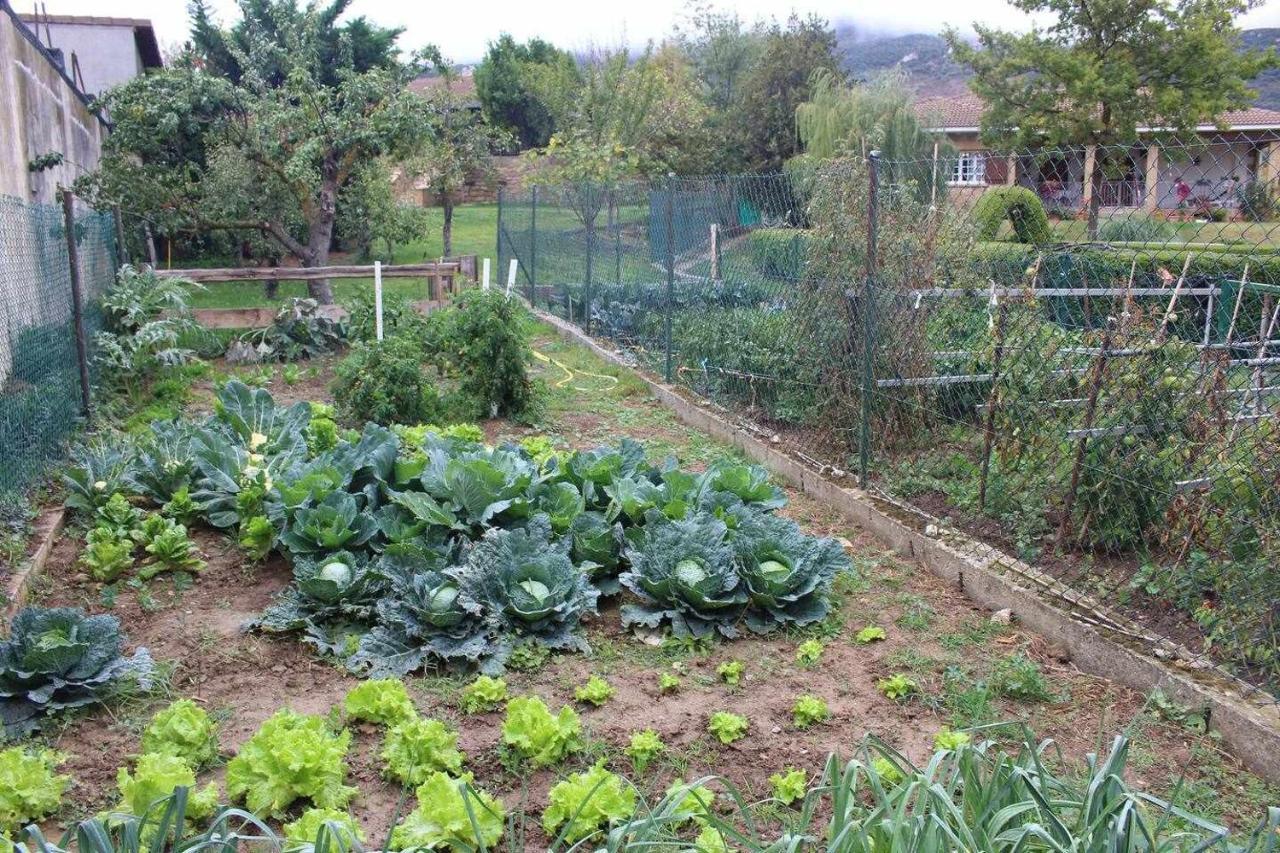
570,373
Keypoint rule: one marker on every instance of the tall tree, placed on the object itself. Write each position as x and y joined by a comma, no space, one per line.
780,81
1104,68
502,85
282,137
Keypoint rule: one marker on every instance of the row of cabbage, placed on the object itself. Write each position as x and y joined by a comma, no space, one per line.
412,545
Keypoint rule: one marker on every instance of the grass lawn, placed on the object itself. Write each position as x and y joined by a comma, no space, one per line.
1261,234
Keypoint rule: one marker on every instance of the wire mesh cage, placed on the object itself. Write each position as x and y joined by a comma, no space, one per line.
1072,354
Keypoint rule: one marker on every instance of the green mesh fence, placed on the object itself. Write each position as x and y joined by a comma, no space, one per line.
40,392
1073,355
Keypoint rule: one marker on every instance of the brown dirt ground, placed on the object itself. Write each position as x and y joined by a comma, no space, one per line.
243,678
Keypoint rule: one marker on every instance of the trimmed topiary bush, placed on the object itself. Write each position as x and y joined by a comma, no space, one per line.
1020,206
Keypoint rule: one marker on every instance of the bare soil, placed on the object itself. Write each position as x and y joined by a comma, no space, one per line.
933,631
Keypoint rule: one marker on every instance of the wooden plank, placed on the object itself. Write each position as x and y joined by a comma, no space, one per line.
310,273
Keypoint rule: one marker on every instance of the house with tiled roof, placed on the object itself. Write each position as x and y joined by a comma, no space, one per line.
1153,175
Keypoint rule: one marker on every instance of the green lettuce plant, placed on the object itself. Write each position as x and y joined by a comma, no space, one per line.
536,735
946,739
808,710
689,802
486,693
106,555
727,726
809,652
683,572
58,658
789,786
451,814
587,802
897,686
870,634
30,787
340,826
384,701
668,682
257,537
730,672
416,747
119,516
710,840
596,691
184,730
155,777
181,507
292,756
170,549
644,747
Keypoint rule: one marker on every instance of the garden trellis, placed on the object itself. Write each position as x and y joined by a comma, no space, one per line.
1103,405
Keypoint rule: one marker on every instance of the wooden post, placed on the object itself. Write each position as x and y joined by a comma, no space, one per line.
377,299
1090,412
993,398
77,304
715,251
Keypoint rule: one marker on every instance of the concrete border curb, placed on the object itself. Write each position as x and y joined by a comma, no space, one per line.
1098,642
49,527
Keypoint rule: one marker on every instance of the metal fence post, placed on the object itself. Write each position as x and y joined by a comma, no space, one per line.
501,198
77,304
868,322
122,251
533,246
671,272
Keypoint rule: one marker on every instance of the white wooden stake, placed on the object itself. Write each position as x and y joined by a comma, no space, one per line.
485,275
377,298
511,276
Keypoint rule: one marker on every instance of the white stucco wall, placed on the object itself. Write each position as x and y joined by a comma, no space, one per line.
107,55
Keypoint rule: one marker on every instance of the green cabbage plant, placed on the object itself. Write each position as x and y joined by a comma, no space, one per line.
334,524
683,572
787,574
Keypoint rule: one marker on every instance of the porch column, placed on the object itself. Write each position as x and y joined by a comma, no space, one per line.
1090,151
1151,197
1011,170
1269,163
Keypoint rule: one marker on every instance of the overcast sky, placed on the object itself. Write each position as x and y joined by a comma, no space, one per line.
462,29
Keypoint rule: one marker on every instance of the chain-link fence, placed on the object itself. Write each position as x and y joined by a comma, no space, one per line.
1071,354
41,391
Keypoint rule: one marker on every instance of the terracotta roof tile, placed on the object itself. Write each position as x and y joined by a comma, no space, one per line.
963,112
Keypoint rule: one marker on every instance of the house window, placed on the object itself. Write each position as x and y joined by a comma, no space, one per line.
969,168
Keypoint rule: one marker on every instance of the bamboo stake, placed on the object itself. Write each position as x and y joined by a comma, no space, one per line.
993,399
1091,409
1173,300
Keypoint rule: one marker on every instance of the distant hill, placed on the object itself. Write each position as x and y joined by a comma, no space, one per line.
931,71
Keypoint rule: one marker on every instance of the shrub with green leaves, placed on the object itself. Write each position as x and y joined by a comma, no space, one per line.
491,354
808,710
486,693
304,832
536,735
183,729
897,686
587,802
596,691
1019,677
789,786
730,672
383,381
414,748
384,701
30,787
56,658
452,814
645,746
291,757
809,652
155,777
727,726
870,634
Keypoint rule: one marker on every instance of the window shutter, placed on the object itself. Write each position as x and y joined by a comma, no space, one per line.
997,169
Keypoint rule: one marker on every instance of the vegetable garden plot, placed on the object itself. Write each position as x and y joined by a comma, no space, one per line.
932,638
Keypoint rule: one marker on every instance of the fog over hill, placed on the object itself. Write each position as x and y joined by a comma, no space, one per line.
932,72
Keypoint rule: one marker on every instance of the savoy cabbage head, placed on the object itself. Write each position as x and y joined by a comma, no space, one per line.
424,616
786,573
529,588
683,571
59,658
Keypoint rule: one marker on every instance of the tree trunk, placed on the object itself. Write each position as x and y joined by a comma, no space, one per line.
447,231
319,238
1095,196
